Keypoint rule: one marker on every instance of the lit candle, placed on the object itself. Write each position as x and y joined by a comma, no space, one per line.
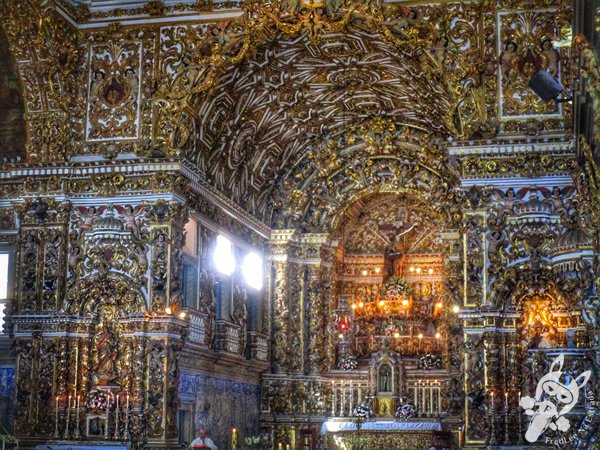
506,400
287,447
280,446
56,411
234,439
492,399
78,412
117,417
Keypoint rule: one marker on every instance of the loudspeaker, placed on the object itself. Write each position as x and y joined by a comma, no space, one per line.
544,85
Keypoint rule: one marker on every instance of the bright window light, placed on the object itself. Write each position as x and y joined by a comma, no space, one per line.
252,268
3,275
223,256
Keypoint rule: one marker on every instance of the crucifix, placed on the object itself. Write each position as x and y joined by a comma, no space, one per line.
395,235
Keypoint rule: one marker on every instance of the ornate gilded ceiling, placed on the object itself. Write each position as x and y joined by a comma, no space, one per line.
293,110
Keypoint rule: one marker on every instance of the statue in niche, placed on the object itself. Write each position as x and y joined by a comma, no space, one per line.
107,354
385,378
541,336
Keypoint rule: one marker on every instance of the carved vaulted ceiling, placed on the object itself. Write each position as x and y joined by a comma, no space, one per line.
265,113
249,101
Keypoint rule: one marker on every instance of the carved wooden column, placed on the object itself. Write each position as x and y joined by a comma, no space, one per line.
473,298
281,254
318,291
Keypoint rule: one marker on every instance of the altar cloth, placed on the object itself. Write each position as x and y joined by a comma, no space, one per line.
333,426
84,446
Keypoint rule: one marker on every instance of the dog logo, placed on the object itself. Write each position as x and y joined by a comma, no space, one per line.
552,401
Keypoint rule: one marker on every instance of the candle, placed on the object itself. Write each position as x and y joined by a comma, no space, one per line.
117,417
78,413
56,411
506,400
279,447
68,416
287,447
234,439
107,416
127,415
492,399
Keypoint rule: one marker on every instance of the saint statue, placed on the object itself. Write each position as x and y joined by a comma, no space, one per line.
107,355
385,378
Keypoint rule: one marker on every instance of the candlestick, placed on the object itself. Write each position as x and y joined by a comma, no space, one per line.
56,418
68,417
107,415
77,426
117,418
127,416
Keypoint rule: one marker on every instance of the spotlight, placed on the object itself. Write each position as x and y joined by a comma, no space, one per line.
381,303
411,269
182,315
361,304
455,309
430,271
341,336
353,305
404,302
418,270
439,305
377,270
364,272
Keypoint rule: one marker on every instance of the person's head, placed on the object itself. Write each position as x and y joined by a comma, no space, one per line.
202,432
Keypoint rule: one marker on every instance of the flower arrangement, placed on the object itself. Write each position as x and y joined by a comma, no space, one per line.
363,410
98,400
349,363
406,411
429,362
257,442
395,288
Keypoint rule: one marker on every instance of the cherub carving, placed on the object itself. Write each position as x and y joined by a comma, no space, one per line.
90,216
551,56
507,60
